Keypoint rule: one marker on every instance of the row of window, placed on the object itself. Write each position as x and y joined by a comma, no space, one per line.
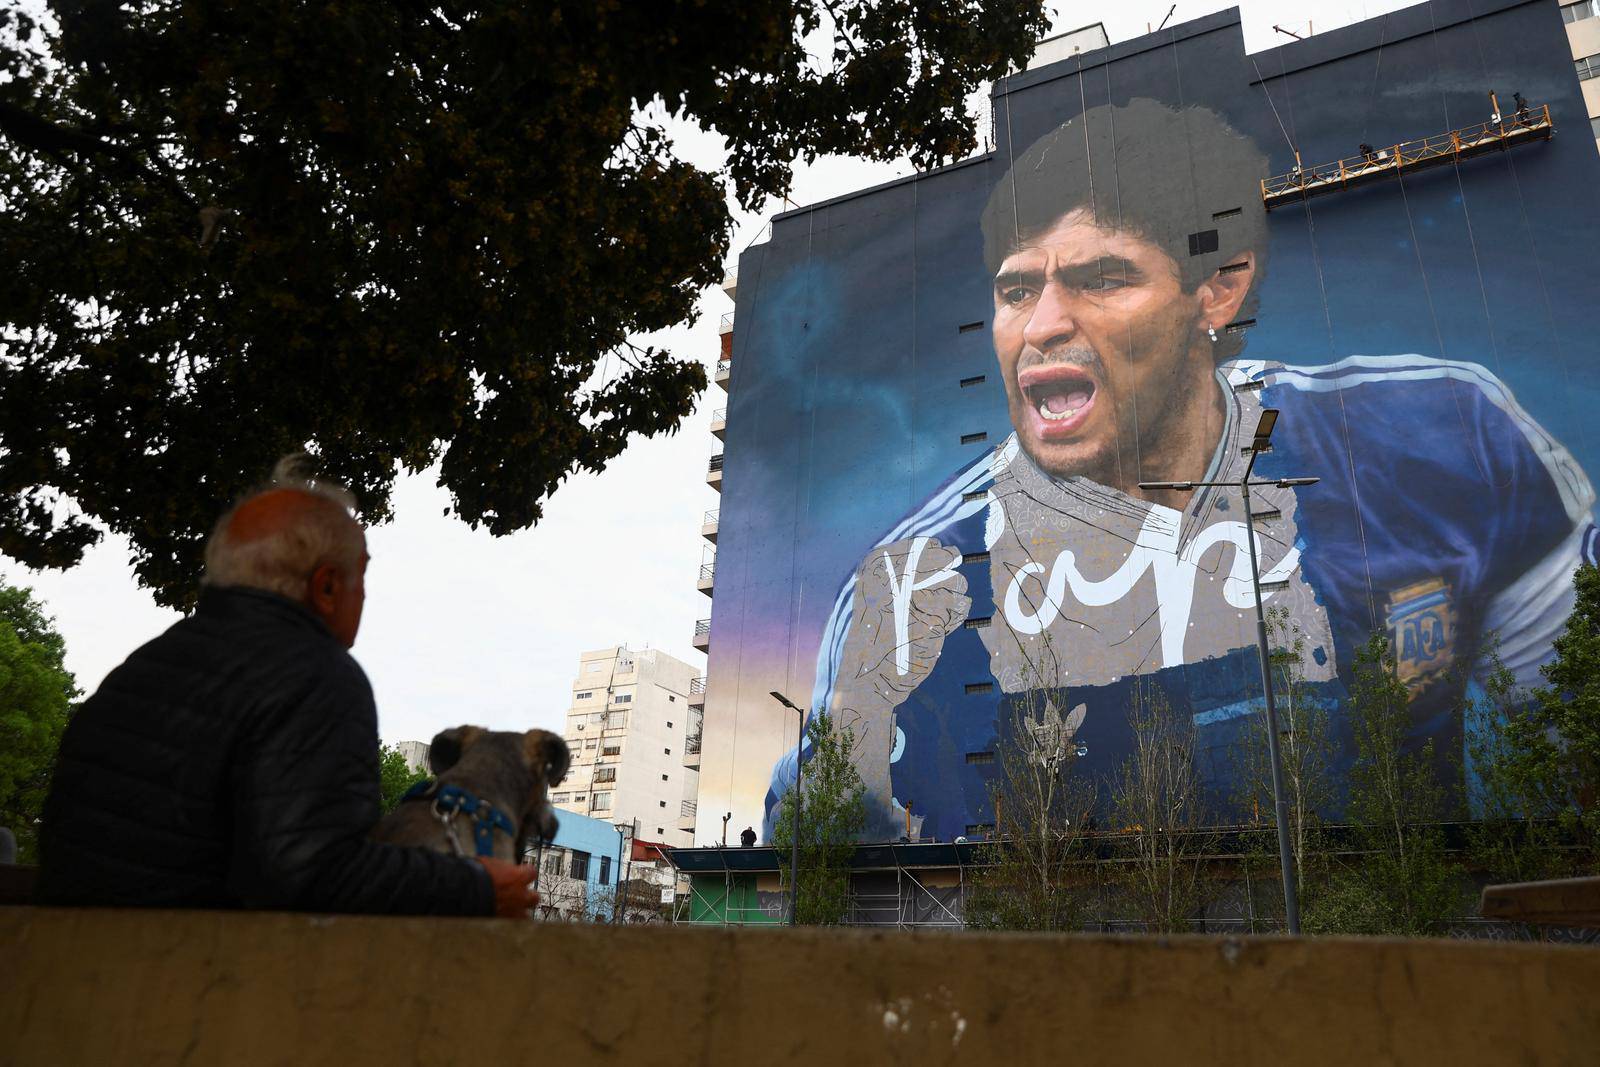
1583,9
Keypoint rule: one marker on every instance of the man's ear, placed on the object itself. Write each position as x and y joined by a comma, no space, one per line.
547,755
445,750
1222,294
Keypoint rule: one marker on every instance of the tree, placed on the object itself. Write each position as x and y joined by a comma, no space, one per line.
1400,880
391,235
833,815
36,696
395,776
1156,798
1033,878
1557,739
1517,833
1305,751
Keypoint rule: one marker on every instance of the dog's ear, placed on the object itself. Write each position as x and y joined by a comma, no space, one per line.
547,755
445,750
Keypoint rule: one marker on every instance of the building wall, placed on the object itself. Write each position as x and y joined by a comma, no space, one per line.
1429,338
628,727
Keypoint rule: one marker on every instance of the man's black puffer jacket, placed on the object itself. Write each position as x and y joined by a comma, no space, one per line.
233,763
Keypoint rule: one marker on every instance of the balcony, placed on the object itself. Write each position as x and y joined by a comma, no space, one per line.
714,472
708,525
686,814
704,582
725,324
697,692
702,635
730,283
719,423
724,367
691,748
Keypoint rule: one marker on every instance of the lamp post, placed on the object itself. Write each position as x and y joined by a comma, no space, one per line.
794,857
1262,443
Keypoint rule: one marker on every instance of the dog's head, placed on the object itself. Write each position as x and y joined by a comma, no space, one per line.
542,754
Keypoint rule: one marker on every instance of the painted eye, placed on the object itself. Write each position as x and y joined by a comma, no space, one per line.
1016,295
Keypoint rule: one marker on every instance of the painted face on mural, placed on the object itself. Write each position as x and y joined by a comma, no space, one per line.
1099,342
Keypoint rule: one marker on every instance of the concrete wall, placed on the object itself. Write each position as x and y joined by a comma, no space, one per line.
153,987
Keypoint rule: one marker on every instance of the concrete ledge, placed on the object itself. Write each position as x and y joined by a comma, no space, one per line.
195,987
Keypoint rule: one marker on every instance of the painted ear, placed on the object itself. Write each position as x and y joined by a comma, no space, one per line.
447,746
547,755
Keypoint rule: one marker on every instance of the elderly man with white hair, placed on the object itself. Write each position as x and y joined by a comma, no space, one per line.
232,762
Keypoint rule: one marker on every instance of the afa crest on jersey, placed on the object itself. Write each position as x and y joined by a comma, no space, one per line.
1422,631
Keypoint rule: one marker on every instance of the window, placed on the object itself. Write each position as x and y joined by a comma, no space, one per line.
579,798
973,438
605,870
980,687
1240,325
1218,216
976,494
590,743
552,863
580,866
975,557
671,699
602,802
976,828
968,327
1594,127
1584,9
663,803
980,757
1588,67
977,622
976,379
1229,268
622,698
560,798
661,829
585,696
610,750
666,752
616,720
669,724
663,777
1203,242
605,774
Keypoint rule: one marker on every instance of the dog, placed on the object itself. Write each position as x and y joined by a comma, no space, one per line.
490,797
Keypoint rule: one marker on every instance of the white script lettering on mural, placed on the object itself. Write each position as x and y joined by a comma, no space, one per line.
901,589
1176,569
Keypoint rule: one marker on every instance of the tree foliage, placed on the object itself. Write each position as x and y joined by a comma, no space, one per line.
832,816
1305,751
1400,880
1036,876
1157,800
36,696
395,777
394,234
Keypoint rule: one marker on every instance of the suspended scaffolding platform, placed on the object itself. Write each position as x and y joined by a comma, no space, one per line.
1525,126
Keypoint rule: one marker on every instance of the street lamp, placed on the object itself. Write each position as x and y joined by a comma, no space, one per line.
794,857
1262,443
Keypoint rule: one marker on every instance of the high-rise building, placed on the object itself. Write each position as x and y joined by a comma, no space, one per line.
980,417
635,743
1583,34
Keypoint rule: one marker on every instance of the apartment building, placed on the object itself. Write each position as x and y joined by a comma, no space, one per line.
1583,34
635,742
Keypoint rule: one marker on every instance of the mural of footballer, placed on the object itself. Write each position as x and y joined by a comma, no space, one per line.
1119,331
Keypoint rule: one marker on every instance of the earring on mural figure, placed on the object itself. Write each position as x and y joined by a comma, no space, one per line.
1211,331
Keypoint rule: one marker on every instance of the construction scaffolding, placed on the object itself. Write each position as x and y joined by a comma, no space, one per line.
1499,134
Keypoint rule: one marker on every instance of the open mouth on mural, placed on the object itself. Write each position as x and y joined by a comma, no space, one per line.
1060,397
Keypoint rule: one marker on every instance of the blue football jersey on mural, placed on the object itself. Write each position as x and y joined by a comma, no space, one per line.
1443,514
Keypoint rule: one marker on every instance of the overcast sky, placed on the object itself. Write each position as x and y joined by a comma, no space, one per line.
461,627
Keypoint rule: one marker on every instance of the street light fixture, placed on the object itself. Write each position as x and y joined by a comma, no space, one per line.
794,856
1263,443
